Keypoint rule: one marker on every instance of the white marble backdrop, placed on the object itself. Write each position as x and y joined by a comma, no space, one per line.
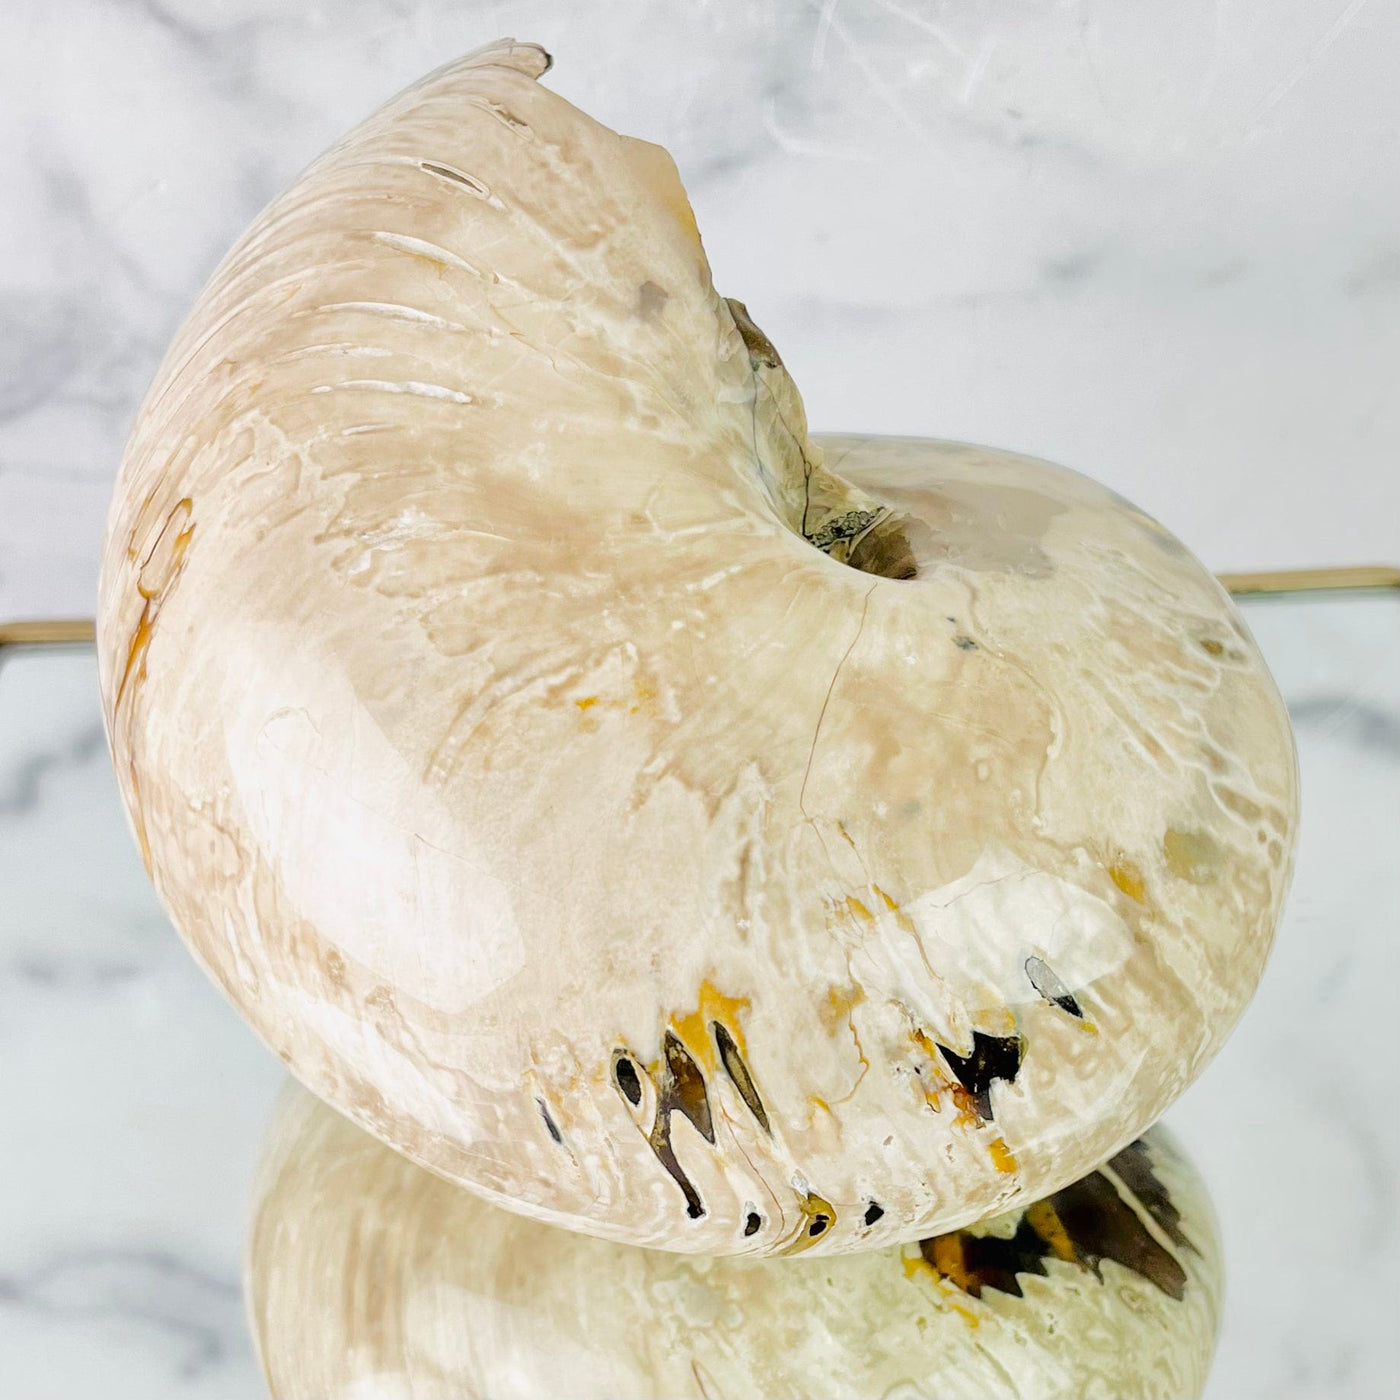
1160,243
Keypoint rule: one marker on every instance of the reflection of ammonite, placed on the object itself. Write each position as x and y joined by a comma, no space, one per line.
368,1275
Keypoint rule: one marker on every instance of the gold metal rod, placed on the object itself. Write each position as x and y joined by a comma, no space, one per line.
68,630
47,631
1312,580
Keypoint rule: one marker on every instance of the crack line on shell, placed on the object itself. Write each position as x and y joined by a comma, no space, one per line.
835,676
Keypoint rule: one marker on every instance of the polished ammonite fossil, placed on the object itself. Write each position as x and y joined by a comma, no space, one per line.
660,820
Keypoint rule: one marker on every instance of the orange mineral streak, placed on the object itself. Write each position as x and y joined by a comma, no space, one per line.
159,570
902,920
934,1096
967,1315
694,1027
1002,1158
964,1103
950,1261
817,1105
853,908
926,1045
1044,1219
137,647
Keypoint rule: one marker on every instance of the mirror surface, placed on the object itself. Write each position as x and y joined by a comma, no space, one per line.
133,1099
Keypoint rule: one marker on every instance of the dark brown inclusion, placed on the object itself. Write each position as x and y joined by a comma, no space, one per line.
752,1223
625,1073
681,1088
549,1121
738,1072
1046,981
993,1057
873,1212
761,349
989,1262
1102,1225
1134,1167
1098,1223
446,172
885,551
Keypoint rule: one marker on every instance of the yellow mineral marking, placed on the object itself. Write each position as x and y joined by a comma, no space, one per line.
950,1261
644,693
852,906
840,1002
1129,879
1002,1158
160,568
966,1105
840,1006
967,1315
818,1219
1045,1220
934,1097
994,1018
916,1266
892,906
157,573
136,649
694,1027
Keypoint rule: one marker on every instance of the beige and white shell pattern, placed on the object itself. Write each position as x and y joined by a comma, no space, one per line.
368,1276
660,821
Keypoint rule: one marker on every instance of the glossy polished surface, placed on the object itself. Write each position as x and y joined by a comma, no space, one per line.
656,820
368,1275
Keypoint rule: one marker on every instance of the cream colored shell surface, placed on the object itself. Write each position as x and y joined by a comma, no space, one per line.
368,1276
659,821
